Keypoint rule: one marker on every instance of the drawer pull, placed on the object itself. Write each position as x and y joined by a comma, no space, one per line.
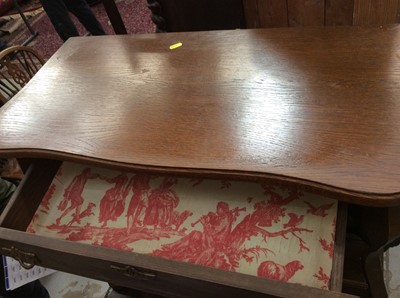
27,260
133,272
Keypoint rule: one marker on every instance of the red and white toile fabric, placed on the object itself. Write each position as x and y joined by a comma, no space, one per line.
251,228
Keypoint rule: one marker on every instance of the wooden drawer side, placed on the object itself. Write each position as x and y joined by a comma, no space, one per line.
26,199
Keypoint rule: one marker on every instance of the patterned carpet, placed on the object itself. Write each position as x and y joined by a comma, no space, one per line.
134,13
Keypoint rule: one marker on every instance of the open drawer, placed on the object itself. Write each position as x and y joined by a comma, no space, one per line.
175,236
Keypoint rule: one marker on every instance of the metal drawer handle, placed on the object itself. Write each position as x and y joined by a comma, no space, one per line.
27,260
133,272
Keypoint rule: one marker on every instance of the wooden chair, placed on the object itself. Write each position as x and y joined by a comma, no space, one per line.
18,64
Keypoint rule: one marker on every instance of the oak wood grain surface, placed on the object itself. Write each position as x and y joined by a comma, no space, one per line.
315,106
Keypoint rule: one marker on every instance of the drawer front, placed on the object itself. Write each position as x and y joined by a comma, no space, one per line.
156,275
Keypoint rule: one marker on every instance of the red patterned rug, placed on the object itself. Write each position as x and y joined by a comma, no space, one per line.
134,13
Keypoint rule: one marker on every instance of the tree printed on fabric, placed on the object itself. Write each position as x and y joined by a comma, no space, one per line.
328,247
221,246
323,277
252,228
208,247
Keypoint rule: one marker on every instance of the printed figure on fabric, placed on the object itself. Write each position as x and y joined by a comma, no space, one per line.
73,196
112,204
140,185
162,202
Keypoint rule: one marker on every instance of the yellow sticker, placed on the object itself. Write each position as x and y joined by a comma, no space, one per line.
174,46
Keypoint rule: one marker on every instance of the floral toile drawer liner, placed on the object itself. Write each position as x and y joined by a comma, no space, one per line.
246,227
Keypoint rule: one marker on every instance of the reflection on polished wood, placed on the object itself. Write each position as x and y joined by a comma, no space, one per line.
318,107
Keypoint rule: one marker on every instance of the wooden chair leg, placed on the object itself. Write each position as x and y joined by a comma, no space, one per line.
28,25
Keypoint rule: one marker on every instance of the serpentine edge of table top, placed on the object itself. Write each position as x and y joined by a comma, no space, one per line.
317,107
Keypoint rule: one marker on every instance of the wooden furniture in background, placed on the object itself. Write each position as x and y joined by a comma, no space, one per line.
292,13
10,169
377,273
18,64
253,105
192,15
369,230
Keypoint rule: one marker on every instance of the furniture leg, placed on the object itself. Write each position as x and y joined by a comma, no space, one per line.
114,16
32,32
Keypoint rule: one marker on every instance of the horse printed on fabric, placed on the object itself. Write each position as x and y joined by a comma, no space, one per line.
244,227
